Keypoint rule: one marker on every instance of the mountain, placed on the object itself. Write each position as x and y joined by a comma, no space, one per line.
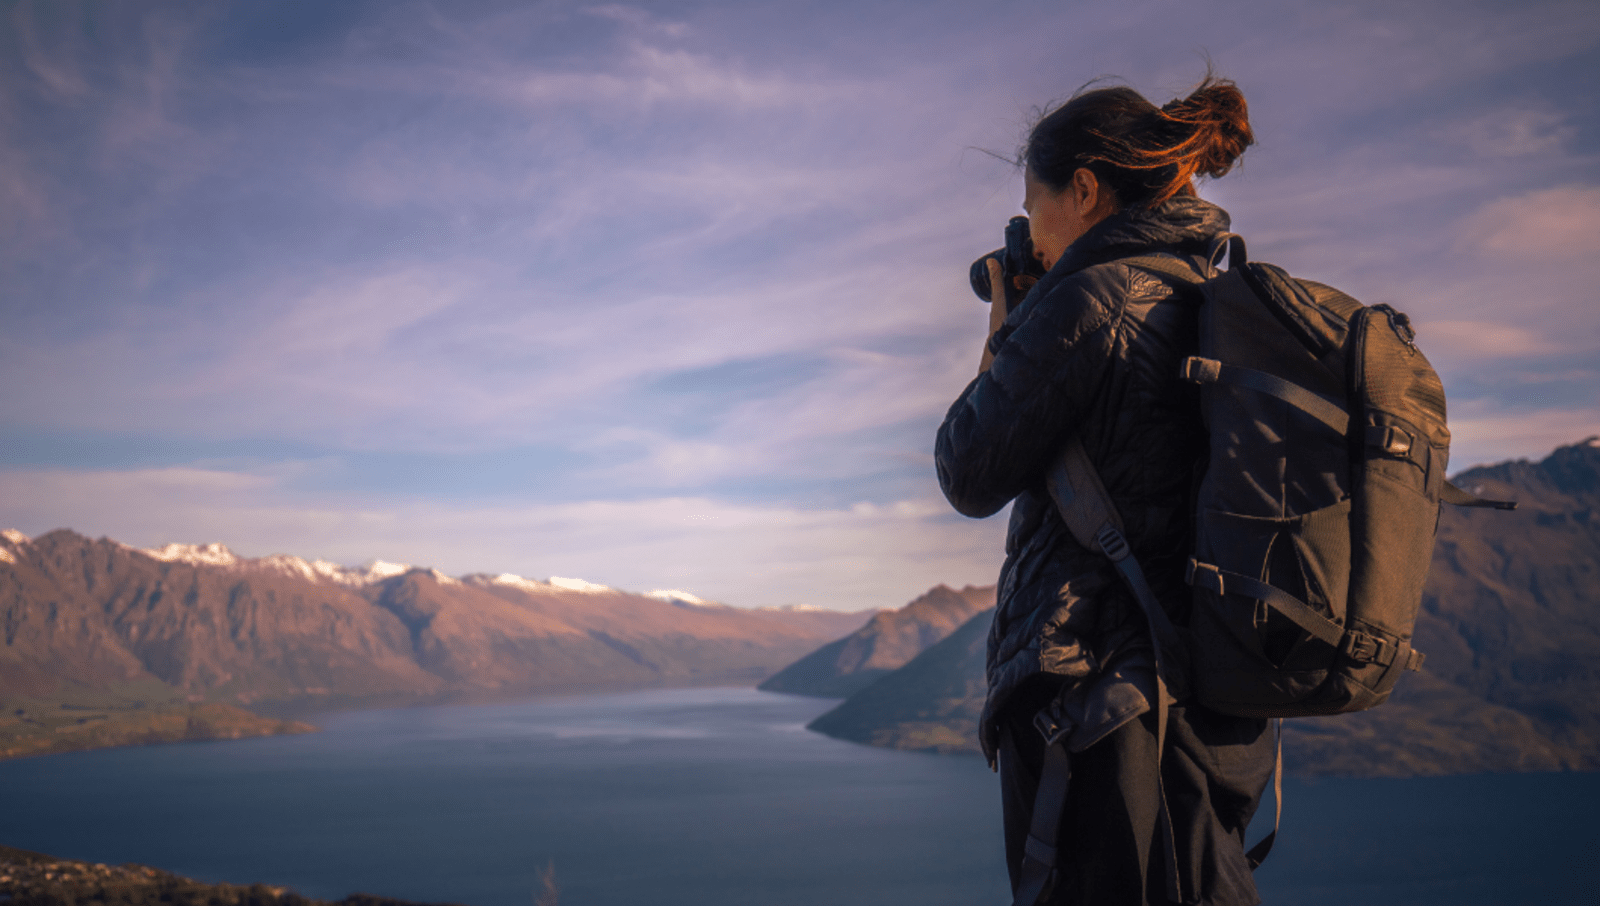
103,640
932,703
887,642
1510,624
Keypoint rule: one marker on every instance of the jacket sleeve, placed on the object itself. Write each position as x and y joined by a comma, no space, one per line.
1051,356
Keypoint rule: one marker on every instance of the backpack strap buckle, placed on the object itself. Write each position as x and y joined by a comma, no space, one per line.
1051,725
1363,647
1204,575
1389,439
1198,370
1370,649
1111,542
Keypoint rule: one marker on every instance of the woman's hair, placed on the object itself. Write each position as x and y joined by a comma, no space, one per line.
1144,153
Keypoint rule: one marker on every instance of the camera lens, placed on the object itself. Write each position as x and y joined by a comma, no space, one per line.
979,275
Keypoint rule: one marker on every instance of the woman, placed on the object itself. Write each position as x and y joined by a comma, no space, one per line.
1092,351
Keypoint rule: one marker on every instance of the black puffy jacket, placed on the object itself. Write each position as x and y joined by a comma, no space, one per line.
1093,350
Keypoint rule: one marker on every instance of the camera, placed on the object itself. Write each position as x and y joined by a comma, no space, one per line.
1016,259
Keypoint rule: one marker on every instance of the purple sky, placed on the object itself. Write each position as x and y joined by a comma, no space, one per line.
674,295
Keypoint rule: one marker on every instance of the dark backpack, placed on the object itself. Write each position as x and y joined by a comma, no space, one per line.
1314,516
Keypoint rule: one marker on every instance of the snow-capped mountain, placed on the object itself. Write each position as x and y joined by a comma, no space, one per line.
203,622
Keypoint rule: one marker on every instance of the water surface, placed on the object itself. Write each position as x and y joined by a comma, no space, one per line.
711,797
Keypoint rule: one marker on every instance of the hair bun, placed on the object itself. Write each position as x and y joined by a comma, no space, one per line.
1219,120
1146,154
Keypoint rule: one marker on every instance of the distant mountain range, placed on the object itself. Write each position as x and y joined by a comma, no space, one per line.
1510,624
108,644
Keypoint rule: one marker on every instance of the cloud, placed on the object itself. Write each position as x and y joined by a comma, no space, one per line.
1486,339
631,256
848,558
1514,131
1335,59
358,315
638,18
1484,432
27,219
34,27
652,75
1559,224
632,60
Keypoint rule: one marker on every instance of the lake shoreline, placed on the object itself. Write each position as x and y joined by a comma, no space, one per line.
31,733
107,719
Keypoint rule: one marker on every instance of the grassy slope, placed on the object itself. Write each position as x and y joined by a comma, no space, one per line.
141,713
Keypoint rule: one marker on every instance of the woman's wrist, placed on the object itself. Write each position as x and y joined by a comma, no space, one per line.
998,310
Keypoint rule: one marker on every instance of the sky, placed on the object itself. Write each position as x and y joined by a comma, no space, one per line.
673,294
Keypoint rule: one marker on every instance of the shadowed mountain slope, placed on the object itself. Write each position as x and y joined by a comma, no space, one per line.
932,703
1510,624
887,642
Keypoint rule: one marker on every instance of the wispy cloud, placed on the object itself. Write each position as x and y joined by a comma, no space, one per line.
1558,224
1482,340
750,555
1495,435
1514,131
386,263
59,73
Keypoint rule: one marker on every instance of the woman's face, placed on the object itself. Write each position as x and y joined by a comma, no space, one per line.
1057,219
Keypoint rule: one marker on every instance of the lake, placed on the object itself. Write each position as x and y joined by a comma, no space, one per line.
714,797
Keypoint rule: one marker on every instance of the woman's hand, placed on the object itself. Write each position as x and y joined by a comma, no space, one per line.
1000,304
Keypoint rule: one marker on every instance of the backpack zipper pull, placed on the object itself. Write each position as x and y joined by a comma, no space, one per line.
1401,325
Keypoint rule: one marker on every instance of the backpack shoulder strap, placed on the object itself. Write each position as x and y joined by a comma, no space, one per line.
1092,518
1086,507
1037,872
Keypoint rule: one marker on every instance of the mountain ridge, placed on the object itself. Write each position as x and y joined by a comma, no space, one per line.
1509,623
888,641
139,636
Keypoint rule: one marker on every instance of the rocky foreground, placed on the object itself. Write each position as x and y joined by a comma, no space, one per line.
32,879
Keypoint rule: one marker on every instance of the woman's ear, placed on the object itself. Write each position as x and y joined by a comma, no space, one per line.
1092,198
1086,191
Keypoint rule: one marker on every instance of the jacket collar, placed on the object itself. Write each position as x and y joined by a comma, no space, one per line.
1185,224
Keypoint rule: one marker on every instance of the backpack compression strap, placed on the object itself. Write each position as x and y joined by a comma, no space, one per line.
1200,370
1357,645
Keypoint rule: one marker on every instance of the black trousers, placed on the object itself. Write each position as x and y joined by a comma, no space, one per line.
1215,769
